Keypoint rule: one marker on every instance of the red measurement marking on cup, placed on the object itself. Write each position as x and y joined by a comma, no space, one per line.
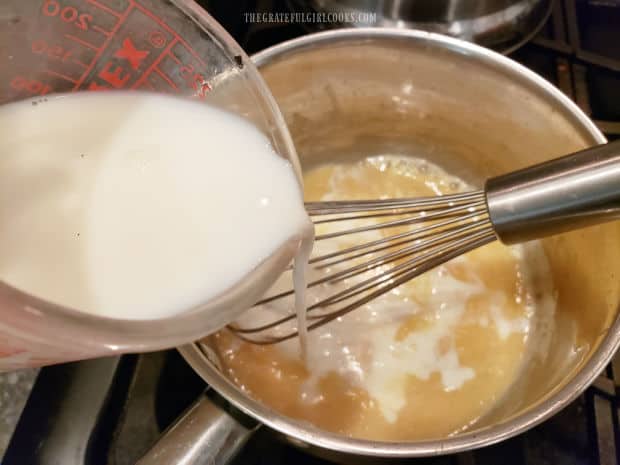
129,51
105,44
60,75
100,30
175,59
171,31
79,63
157,39
51,51
165,78
156,62
132,60
67,13
105,8
82,42
121,19
29,86
65,49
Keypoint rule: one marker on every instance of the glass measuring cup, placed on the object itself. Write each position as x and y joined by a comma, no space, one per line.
50,46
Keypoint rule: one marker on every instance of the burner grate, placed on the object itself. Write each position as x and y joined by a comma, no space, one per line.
584,36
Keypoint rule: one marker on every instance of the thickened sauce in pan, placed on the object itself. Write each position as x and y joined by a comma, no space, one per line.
426,360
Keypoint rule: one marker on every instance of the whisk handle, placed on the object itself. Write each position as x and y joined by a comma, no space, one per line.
574,191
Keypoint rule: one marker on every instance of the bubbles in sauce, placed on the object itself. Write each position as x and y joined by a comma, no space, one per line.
428,359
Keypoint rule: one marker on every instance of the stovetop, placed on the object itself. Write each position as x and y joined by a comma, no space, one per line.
110,411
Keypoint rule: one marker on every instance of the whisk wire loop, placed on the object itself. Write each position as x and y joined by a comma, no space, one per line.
438,230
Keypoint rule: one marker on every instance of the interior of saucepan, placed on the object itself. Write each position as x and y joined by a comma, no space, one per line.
355,97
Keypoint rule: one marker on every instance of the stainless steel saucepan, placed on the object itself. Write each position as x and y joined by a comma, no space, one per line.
353,93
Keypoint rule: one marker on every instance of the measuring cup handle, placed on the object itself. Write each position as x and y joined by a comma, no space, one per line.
207,433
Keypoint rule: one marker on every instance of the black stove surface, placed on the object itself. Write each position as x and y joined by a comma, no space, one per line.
110,411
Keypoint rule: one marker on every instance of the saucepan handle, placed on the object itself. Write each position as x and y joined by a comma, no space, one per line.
209,432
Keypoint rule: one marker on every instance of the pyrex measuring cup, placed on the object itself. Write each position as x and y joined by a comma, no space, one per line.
49,46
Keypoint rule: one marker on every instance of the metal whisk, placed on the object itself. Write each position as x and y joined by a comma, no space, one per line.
567,193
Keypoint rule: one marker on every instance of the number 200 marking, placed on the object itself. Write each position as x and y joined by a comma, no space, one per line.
68,14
